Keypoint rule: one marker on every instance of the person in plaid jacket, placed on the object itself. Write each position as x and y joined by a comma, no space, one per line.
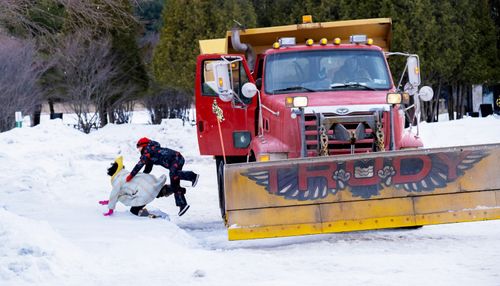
153,154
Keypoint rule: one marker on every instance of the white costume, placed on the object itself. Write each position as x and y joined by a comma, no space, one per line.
142,190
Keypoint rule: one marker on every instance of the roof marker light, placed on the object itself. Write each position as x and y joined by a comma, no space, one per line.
309,42
337,41
323,41
358,39
288,41
307,19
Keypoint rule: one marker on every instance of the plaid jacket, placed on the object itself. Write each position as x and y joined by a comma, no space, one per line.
153,154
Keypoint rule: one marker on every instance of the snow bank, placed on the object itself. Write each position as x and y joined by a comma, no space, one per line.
52,231
467,131
32,252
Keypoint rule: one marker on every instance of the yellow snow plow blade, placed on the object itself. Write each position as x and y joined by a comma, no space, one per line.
362,192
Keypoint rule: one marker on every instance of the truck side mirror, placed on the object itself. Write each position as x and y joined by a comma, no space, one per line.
249,90
413,70
220,80
426,93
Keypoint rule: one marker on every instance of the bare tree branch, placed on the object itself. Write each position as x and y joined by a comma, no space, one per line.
88,73
20,70
87,69
100,14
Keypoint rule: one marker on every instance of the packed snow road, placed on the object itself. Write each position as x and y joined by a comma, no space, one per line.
52,231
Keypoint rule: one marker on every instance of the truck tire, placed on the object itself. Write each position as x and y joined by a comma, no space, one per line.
220,184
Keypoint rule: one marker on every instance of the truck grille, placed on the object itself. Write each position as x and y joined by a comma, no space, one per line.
361,141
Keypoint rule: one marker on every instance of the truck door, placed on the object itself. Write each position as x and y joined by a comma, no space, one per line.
238,127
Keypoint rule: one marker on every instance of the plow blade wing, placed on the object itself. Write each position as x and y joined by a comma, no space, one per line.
362,192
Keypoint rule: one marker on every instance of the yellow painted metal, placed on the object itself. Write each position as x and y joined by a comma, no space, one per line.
252,211
213,46
261,39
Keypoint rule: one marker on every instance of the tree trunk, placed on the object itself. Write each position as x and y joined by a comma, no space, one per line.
424,109
468,107
36,115
103,115
111,114
451,102
51,106
435,103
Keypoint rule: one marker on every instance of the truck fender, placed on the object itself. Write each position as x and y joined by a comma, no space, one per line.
266,145
410,140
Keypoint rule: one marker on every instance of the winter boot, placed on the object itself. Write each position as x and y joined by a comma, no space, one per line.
180,201
183,209
195,180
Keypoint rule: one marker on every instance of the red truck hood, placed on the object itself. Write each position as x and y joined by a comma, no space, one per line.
335,98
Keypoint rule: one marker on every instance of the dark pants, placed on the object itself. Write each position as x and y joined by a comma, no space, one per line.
136,210
176,175
165,191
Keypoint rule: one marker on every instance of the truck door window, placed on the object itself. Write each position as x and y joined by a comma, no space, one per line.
207,76
239,78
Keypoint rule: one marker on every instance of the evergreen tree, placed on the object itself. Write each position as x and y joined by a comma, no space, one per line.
359,9
132,73
48,15
149,13
287,12
495,14
186,22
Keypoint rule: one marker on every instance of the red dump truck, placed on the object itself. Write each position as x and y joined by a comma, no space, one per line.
306,124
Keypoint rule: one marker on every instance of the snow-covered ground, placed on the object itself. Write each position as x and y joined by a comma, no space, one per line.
52,231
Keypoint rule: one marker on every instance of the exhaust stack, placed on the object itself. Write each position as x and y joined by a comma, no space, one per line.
241,47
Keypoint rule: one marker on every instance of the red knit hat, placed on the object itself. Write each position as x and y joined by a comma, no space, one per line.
143,142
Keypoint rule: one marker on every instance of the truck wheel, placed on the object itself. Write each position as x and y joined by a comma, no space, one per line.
220,183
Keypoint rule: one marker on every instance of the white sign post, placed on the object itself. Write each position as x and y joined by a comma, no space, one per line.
19,119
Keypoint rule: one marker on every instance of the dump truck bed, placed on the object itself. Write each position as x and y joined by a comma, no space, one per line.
379,29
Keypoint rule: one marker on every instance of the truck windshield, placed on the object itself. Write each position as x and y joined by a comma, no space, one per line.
325,70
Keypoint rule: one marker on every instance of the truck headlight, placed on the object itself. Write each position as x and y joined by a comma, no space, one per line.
297,101
397,98
241,139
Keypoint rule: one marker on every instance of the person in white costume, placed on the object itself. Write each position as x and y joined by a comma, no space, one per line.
137,193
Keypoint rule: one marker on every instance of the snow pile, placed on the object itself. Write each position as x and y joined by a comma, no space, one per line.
52,231
31,251
467,131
